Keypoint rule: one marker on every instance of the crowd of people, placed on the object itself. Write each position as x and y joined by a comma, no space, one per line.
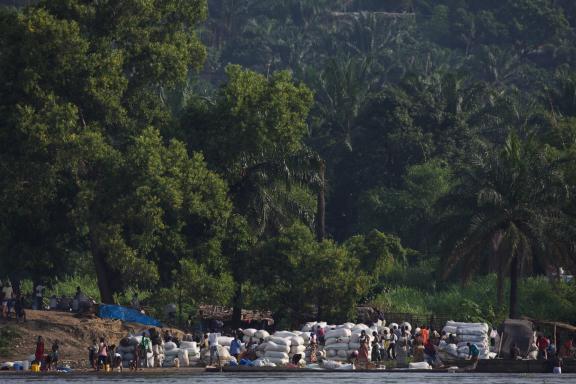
14,303
399,344
46,360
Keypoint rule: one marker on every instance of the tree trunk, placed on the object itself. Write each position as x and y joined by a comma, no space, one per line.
321,204
514,288
106,294
500,278
237,307
498,265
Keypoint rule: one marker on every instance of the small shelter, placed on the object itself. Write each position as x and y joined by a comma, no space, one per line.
555,330
515,331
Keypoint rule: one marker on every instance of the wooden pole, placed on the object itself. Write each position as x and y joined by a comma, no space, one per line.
500,344
555,340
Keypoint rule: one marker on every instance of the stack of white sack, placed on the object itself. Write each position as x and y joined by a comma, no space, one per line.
192,348
254,334
127,351
298,347
277,350
223,355
158,354
225,341
447,352
313,326
249,335
337,343
172,352
354,345
344,340
473,333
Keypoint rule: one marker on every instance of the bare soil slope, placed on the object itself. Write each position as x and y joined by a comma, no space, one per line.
75,334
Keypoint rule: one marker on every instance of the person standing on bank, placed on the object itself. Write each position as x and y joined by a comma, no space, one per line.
39,297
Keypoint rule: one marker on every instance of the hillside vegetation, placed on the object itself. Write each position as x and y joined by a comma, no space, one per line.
302,156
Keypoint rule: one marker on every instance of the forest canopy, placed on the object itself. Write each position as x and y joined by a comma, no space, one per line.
318,153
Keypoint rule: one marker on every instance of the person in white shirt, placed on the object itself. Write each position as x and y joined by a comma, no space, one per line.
39,293
213,343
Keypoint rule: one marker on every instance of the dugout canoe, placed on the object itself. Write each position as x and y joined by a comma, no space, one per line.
483,366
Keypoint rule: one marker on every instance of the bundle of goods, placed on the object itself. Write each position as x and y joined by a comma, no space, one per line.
420,365
474,333
297,346
127,351
344,340
277,350
254,335
337,343
225,341
172,352
158,354
335,365
192,349
263,362
447,352
222,358
407,326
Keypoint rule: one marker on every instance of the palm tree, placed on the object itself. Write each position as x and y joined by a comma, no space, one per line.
342,88
508,206
263,196
263,193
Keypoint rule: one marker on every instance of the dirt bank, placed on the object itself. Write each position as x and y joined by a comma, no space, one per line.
74,333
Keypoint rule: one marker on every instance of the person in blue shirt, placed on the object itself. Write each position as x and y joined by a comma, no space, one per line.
235,346
473,352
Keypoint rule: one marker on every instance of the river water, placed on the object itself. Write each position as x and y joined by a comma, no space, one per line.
303,378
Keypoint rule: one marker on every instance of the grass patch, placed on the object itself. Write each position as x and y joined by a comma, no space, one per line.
476,301
8,335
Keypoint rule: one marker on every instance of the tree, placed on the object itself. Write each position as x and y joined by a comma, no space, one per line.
301,278
507,205
252,133
410,209
378,253
86,101
154,210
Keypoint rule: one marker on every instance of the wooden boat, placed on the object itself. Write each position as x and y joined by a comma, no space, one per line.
483,366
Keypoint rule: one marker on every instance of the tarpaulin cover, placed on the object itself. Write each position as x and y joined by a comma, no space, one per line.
519,332
130,315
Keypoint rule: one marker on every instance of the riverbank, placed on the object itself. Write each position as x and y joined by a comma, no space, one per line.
73,332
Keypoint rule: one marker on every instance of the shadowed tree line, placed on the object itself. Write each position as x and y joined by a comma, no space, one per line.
291,155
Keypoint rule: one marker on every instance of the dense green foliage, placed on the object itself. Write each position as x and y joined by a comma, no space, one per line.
475,302
297,155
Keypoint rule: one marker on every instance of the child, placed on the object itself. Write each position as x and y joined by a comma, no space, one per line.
114,358
52,360
93,353
102,354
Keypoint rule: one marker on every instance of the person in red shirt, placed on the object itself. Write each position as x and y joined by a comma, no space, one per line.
542,343
320,333
567,349
39,354
425,334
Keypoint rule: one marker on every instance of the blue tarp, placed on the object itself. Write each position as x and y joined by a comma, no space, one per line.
130,315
